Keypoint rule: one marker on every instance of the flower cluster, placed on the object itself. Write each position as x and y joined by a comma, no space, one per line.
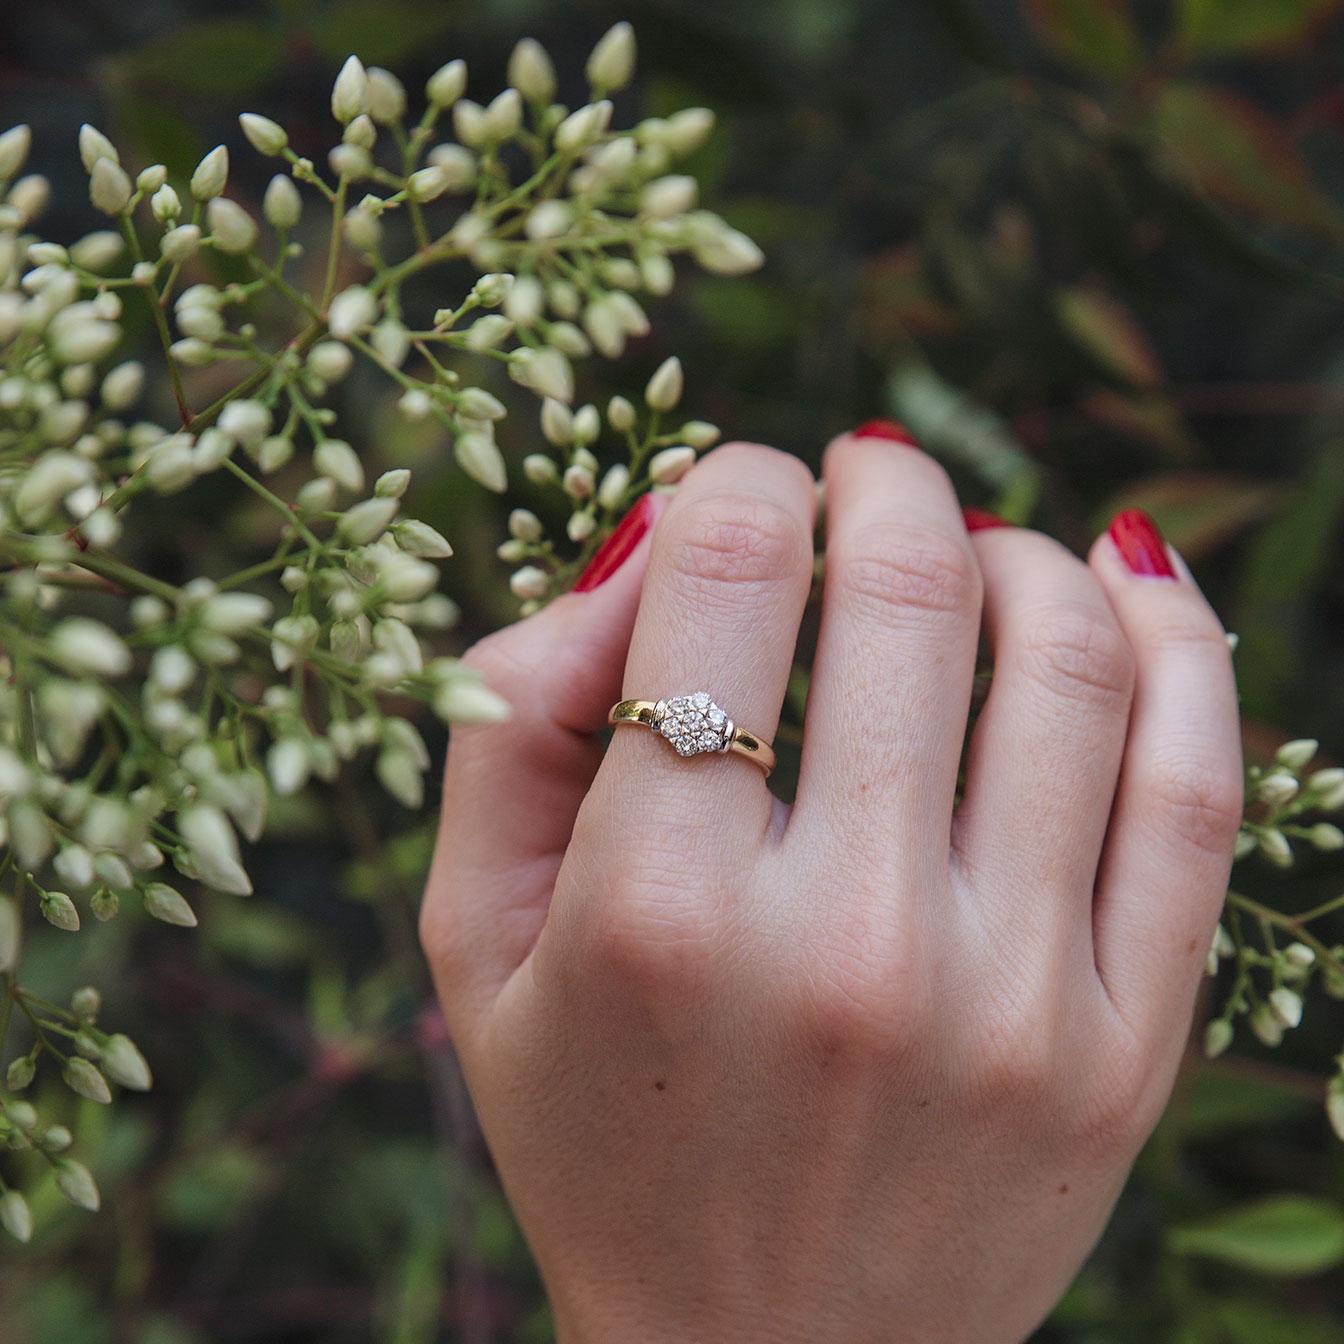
1274,956
145,726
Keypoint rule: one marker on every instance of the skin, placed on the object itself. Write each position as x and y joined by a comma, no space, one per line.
863,1068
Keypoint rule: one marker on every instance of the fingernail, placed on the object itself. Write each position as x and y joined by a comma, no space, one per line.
978,520
614,552
1140,544
885,429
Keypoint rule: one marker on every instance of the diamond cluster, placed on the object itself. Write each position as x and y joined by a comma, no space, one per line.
693,723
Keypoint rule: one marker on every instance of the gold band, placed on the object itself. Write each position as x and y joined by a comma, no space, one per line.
731,737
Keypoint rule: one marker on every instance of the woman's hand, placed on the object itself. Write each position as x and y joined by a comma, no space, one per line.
865,1068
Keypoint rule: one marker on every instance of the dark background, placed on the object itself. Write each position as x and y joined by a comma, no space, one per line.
1092,252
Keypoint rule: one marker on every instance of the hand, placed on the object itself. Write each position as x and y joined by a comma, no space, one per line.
867,1068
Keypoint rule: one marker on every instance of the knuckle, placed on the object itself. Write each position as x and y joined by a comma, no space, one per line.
1015,1067
649,945
1121,1104
1198,798
889,573
728,537
1076,655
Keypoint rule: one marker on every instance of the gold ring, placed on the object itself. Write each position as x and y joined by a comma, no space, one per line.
692,724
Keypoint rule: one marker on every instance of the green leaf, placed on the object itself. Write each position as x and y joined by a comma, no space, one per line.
1096,35
1198,511
1216,26
220,56
1110,333
1239,155
1288,1235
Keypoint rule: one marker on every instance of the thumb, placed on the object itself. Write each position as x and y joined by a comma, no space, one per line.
511,790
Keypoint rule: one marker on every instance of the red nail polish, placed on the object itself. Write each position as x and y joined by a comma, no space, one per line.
885,429
1140,544
614,552
978,520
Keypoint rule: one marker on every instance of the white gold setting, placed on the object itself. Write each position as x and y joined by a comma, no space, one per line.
693,723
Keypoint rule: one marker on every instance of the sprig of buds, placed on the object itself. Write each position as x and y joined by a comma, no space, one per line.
146,726
1275,958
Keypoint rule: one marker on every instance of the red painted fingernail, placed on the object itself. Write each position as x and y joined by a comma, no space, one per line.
885,429
614,552
977,520
1140,544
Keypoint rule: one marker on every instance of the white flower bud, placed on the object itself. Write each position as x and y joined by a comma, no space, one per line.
487,332
97,251
282,204
419,539
1299,954
446,84
476,403
469,123
415,404
620,415
1217,1037
531,72
611,493
546,371
392,484
525,301
1297,753
82,1077
14,147
73,864
15,1215
366,521
603,323
168,906
1286,1005
670,465
685,131
504,115
180,243
1274,846
700,434
1276,789
211,174
550,219
288,765
1326,837
362,228
579,482
580,526
525,525
122,386
86,647
665,387
581,128
392,342
234,613
529,582
350,93
727,251
462,701
337,459
665,197
457,163
247,421
75,1182
351,311
385,96
59,911
612,61
109,187
479,456
232,229
213,848
263,134
194,353
428,183
330,361
540,470
122,1061
407,579
94,145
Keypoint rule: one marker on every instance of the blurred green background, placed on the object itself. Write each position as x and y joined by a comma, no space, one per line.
1091,251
